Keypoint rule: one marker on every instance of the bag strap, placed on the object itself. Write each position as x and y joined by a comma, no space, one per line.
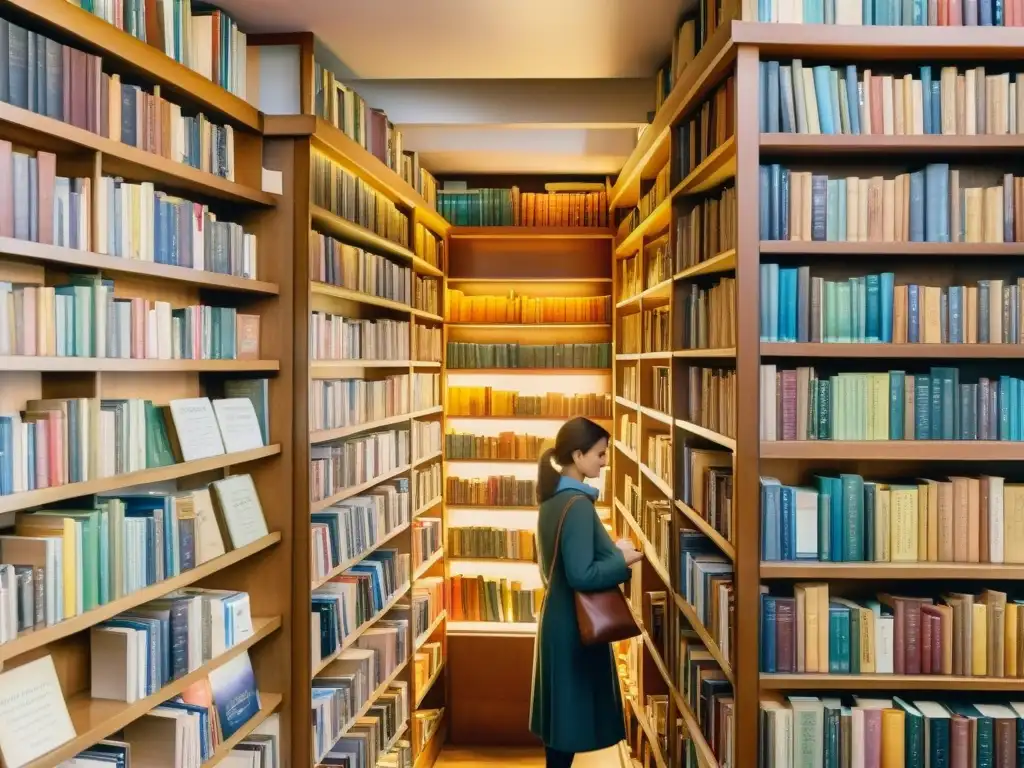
558,536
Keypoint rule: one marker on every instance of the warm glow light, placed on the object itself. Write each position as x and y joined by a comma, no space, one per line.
531,383
527,573
522,519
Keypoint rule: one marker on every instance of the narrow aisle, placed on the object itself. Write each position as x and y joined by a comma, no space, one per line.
505,757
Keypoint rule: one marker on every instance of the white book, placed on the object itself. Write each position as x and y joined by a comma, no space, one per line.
196,426
34,718
240,510
239,427
114,664
995,520
883,644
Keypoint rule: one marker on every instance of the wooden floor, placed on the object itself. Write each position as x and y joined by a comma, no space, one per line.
465,757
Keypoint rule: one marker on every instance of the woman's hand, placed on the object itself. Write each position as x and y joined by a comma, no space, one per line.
632,556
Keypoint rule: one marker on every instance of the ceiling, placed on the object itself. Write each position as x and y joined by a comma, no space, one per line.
413,58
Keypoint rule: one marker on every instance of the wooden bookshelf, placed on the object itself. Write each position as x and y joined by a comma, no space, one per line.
295,140
256,567
491,703
738,49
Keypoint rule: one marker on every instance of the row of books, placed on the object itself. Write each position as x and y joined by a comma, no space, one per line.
661,393
427,539
490,543
660,456
67,84
334,262
706,583
511,208
428,484
430,247
61,563
346,530
497,490
706,230
83,319
427,603
348,196
933,205
484,598
349,602
888,731
894,405
631,276
658,266
963,634
338,403
708,129
470,356
711,399
426,663
707,487
526,309
55,442
847,519
709,316
427,343
646,331
504,445
629,432
344,691
426,438
373,740
708,694
654,517
425,723
339,465
916,13
486,401
797,307
336,337
630,381
203,38
847,100
649,200
426,294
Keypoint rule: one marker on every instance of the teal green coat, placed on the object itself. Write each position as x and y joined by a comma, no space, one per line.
577,705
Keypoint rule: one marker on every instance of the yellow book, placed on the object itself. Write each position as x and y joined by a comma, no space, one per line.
821,591
67,530
1013,523
893,749
903,521
806,595
979,639
1010,640
883,552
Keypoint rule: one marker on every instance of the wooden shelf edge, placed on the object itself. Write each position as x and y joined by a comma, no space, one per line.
427,507
427,459
29,499
892,249
888,350
529,326
355,490
771,569
92,33
428,684
327,435
111,716
25,250
722,262
535,371
874,682
938,143
424,636
30,641
342,567
427,564
656,481
707,434
705,527
531,233
492,628
269,702
346,230
132,365
894,450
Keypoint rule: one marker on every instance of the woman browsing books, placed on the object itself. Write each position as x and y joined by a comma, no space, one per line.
576,703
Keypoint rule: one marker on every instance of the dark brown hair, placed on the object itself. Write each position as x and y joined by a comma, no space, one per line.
579,434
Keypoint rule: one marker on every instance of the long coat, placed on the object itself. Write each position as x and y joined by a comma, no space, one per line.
577,705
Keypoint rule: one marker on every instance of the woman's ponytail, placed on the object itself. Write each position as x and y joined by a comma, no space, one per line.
547,476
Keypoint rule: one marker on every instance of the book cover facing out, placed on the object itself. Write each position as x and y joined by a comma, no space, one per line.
235,694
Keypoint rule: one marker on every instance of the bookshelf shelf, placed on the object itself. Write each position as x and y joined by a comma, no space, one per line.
627,452
96,719
899,250
655,223
626,403
807,682
269,704
533,371
707,529
466,559
644,356
31,641
427,564
897,351
492,461
319,666
660,291
531,280
655,415
342,567
652,736
349,231
429,631
355,490
44,496
421,694
691,616
813,144
716,265
530,326
894,450
707,434
657,481
451,416
531,233
24,250
330,369
426,459
128,365
434,743
358,160
139,58
717,168
427,507
492,628
729,352
883,571
326,435
337,292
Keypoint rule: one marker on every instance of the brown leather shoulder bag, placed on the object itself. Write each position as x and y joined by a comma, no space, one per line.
603,617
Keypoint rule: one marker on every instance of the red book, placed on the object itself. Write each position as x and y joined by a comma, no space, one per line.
959,742
926,645
785,635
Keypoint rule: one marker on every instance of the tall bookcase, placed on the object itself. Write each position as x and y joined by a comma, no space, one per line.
736,50
297,143
256,567
490,703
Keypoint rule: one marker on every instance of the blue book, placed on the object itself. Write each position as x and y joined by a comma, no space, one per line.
873,319
917,207
234,694
926,98
841,224
897,384
774,219
936,222
788,517
771,118
913,313
767,633
822,88
936,106
887,289
765,193
853,98
784,204
771,501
